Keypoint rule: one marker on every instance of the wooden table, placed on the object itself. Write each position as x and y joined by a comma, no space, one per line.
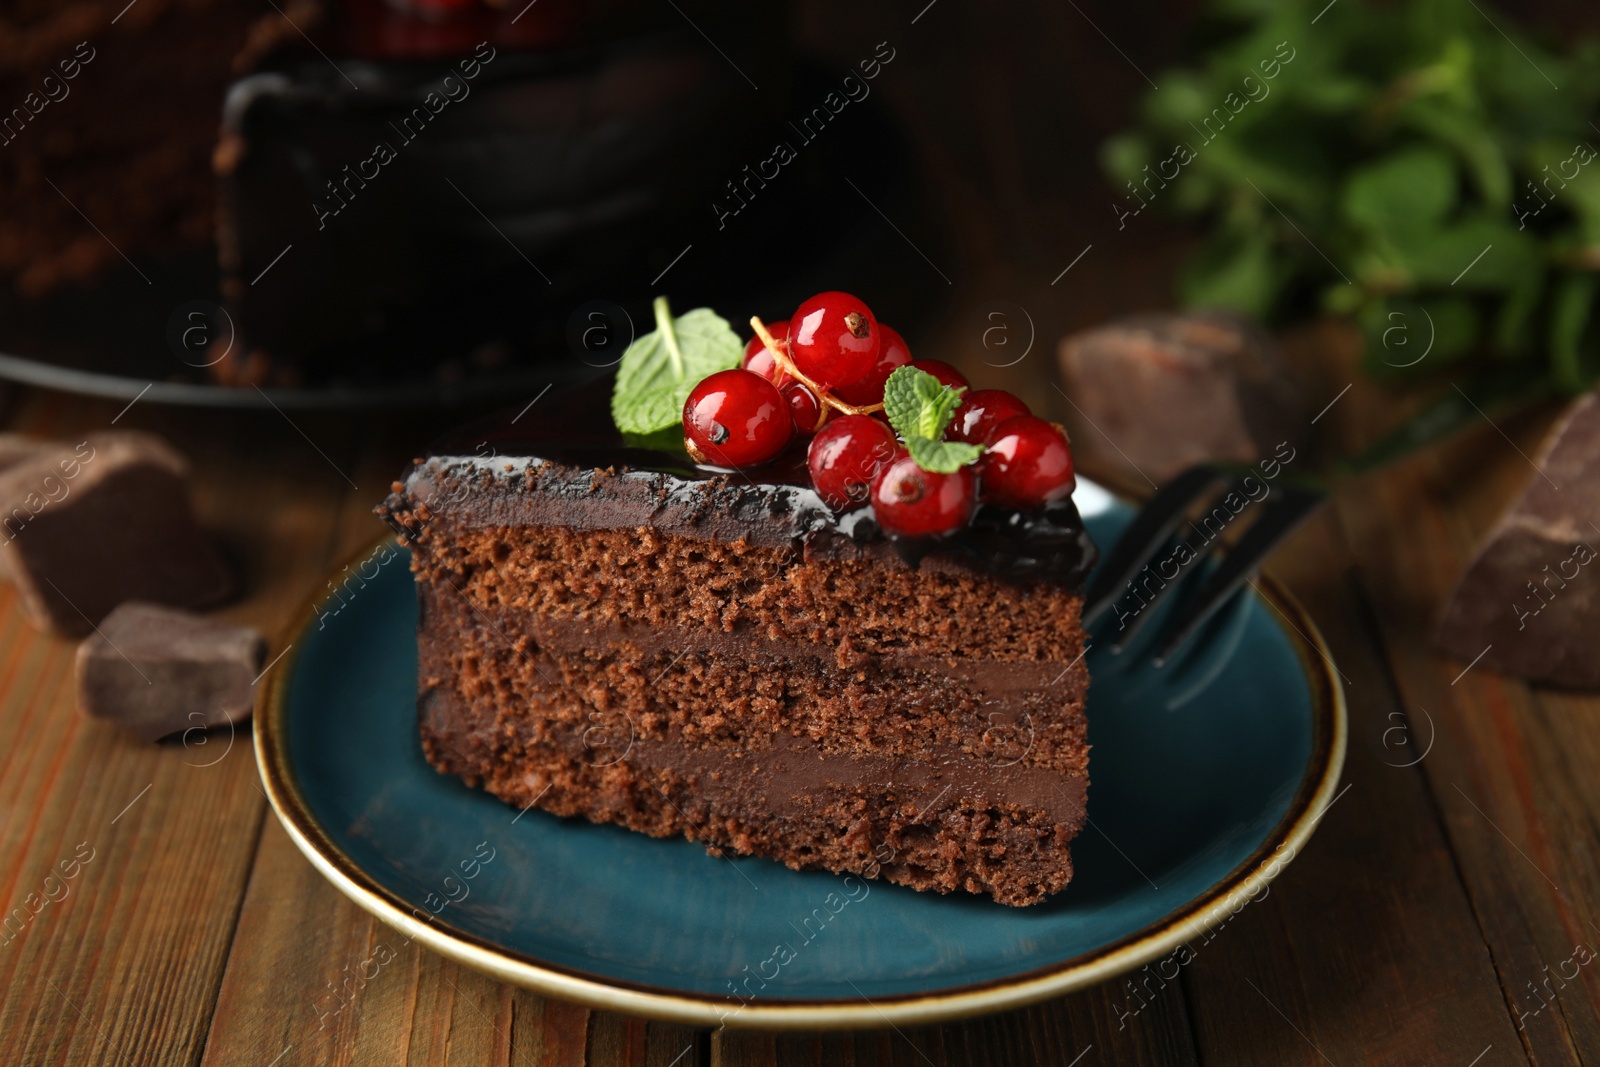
1457,865
1455,874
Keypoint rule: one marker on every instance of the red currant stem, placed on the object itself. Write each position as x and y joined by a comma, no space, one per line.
781,358
669,335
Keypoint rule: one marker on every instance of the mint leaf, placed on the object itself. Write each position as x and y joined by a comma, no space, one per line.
918,404
661,368
667,440
919,407
941,457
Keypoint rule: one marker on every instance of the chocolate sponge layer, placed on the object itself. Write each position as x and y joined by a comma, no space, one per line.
859,607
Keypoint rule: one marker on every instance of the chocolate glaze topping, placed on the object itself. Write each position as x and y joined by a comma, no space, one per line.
589,475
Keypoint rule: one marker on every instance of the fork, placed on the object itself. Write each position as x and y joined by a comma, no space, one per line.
1281,509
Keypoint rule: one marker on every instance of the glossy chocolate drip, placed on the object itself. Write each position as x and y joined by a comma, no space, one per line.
480,476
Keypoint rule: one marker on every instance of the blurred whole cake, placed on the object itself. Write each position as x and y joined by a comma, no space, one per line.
118,129
354,166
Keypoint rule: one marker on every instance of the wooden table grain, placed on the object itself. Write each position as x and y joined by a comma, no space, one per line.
1427,922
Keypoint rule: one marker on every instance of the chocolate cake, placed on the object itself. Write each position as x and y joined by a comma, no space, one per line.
609,630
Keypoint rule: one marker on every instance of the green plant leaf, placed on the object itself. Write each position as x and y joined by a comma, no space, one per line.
1477,254
1406,192
1565,178
1187,99
1514,324
1570,312
1233,273
1334,94
1123,155
660,369
941,457
1471,137
918,404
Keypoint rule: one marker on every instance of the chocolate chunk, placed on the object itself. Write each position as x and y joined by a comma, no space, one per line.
156,671
1161,391
85,527
1531,595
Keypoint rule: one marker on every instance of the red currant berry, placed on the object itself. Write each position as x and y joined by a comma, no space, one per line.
758,357
808,412
846,455
833,339
735,419
1028,464
912,502
980,412
943,371
869,390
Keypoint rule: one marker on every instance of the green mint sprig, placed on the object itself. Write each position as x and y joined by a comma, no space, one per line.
661,368
919,407
1443,197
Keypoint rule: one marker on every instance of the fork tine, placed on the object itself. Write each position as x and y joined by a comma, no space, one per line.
1150,529
1281,518
1182,582
1178,587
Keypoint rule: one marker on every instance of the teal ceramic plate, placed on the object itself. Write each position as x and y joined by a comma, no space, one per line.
1206,778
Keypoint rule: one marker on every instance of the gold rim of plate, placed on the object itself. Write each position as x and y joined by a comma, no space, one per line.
1227,897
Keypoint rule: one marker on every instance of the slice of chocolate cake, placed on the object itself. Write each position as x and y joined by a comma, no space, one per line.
613,631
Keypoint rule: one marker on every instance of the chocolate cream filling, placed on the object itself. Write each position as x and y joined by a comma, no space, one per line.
993,678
